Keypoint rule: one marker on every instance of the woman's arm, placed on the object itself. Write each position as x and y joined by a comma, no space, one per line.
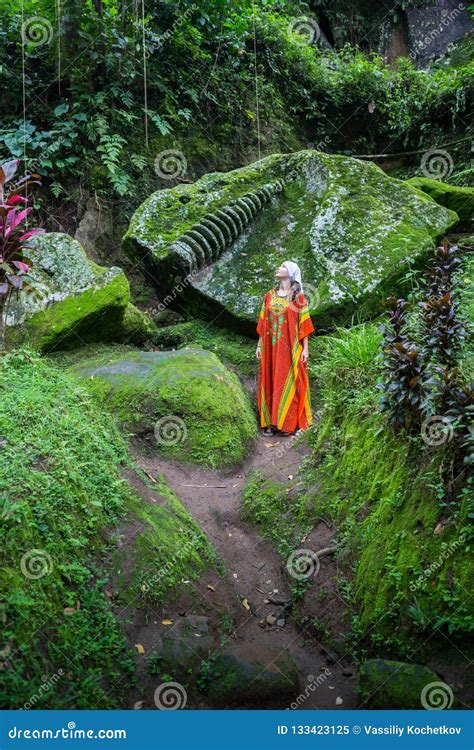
258,352
305,352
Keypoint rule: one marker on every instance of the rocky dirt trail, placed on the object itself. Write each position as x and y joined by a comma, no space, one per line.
253,572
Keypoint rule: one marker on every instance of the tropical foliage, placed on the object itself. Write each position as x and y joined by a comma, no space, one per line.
14,264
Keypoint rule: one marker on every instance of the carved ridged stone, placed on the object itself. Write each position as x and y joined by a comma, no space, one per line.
206,240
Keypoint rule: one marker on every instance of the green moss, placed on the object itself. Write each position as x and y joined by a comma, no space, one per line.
168,549
74,300
243,679
137,327
94,314
66,505
383,491
196,407
280,517
234,350
388,685
61,488
167,214
458,199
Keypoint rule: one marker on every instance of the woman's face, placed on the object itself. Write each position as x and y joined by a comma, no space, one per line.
282,272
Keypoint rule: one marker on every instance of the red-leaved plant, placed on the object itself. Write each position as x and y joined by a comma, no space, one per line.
14,237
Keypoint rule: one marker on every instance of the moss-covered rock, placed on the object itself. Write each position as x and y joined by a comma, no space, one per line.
74,300
136,327
252,675
454,197
385,684
234,350
183,646
168,547
73,531
215,244
195,407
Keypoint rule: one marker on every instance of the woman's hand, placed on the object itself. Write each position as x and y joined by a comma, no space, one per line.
305,355
258,352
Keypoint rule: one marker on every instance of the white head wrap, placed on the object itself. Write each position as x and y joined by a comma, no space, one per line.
294,272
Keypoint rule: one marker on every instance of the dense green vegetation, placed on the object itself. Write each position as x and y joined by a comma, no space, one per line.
85,81
106,107
67,505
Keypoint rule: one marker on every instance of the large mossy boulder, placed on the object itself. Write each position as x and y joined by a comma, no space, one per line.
73,300
186,401
388,685
454,197
214,245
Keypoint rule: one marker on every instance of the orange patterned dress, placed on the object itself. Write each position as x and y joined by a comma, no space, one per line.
283,387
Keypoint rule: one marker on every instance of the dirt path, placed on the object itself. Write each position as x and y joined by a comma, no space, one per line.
254,571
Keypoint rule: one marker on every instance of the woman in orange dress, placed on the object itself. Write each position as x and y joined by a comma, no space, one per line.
283,328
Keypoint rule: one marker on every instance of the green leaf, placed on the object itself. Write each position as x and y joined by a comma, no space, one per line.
61,109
